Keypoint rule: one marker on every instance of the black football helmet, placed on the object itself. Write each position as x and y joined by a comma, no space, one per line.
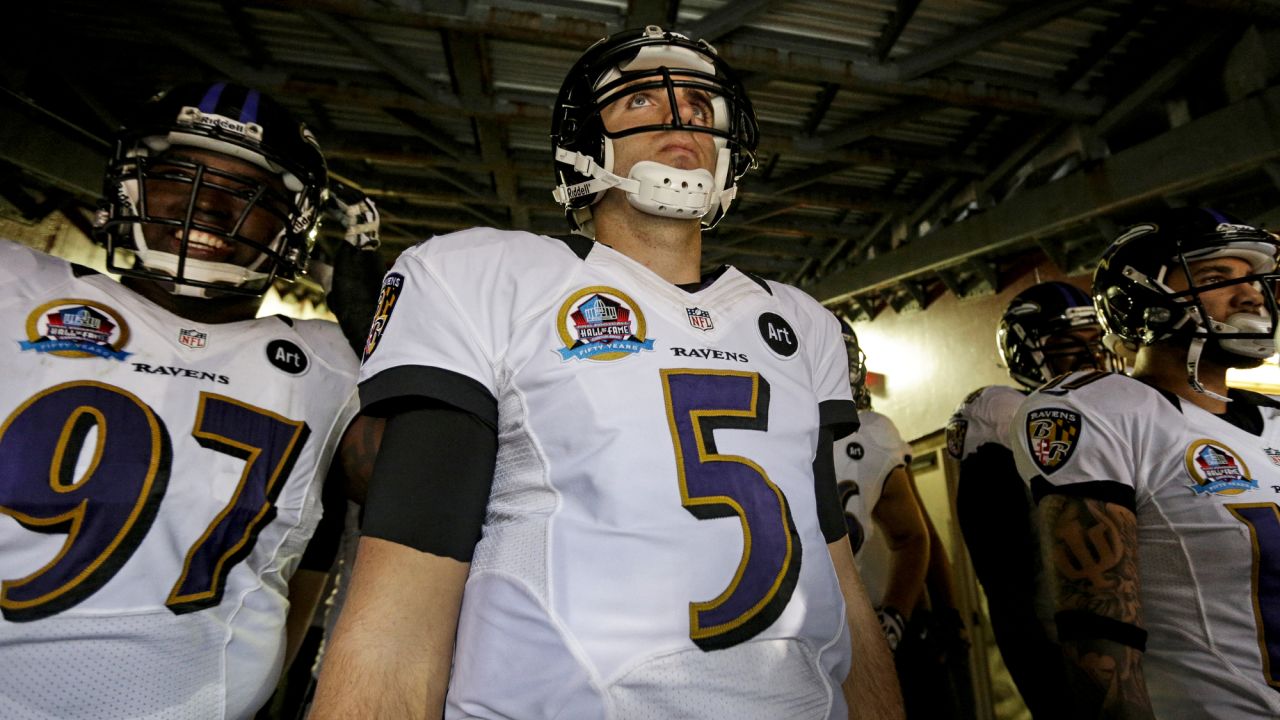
1035,333
1138,306
219,214
645,60
857,366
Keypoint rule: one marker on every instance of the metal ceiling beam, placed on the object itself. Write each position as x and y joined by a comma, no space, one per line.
751,50
902,113
897,22
366,48
214,57
1224,144
469,64
1183,59
727,18
46,146
651,12
1103,44
1025,17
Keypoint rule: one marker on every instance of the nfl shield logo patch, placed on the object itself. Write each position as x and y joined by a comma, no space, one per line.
956,430
1052,436
192,338
700,319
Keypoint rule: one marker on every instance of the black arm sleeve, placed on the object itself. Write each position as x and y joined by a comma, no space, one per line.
431,481
830,513
323,547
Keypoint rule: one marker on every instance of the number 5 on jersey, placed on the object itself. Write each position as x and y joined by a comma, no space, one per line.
107,510
713,485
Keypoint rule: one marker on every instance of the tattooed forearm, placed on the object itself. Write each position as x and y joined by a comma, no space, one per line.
1093,546
358,451
1092,557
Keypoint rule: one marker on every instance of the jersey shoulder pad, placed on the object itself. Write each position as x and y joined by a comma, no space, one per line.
982,417
879,429
28,266
330,346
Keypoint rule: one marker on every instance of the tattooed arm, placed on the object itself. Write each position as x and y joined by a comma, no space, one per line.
357,452
1092,558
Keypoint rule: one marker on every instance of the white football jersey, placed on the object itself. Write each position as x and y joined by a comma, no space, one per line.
865,460
1205,493
982,418
651,547
159,480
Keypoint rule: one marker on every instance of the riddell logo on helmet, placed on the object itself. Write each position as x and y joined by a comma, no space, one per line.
578,191
193,116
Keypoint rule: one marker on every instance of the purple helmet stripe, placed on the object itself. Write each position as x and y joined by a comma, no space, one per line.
250,112
209,102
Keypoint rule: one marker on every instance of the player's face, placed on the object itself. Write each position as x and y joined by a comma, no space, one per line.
1074,350
1223,302
226,190
652,106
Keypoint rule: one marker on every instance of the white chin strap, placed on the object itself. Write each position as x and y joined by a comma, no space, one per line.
201,270
1247,347
652,187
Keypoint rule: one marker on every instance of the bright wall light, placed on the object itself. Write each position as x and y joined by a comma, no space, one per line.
1264,379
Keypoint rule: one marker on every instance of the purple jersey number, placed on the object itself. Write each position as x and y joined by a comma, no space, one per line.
713,485
1263,520
106,511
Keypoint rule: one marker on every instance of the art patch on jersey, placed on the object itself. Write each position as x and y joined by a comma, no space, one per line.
700,319
854,451
287,357
1217,469
600,323
392,285
192,338
1052,436
778,335
74,328
956,430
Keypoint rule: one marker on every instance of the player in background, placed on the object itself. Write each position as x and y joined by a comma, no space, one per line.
1157,492
898,552
879,503
606,477
162,451
1048,329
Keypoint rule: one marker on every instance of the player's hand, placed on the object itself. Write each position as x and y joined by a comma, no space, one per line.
893,625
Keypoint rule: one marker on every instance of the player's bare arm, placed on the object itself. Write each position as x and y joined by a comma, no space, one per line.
357,453
1092,550
899,516
871,690
393,644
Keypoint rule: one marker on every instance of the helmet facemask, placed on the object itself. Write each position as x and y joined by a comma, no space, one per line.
662,66
205,201
1148,310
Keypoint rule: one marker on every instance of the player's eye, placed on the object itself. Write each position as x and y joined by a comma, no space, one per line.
639,100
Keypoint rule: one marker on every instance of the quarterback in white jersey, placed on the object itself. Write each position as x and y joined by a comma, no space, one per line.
1047,330
1158,492
656,534
160,460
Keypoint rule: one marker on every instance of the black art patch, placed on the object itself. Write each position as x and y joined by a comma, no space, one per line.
778,335
287,356
392,284
1052,436
854,451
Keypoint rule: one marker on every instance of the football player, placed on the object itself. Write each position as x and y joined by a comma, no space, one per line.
607,475
1046,330
162,451
876,494
1156,492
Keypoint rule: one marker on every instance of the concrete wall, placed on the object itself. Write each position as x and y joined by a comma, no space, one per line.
931,359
